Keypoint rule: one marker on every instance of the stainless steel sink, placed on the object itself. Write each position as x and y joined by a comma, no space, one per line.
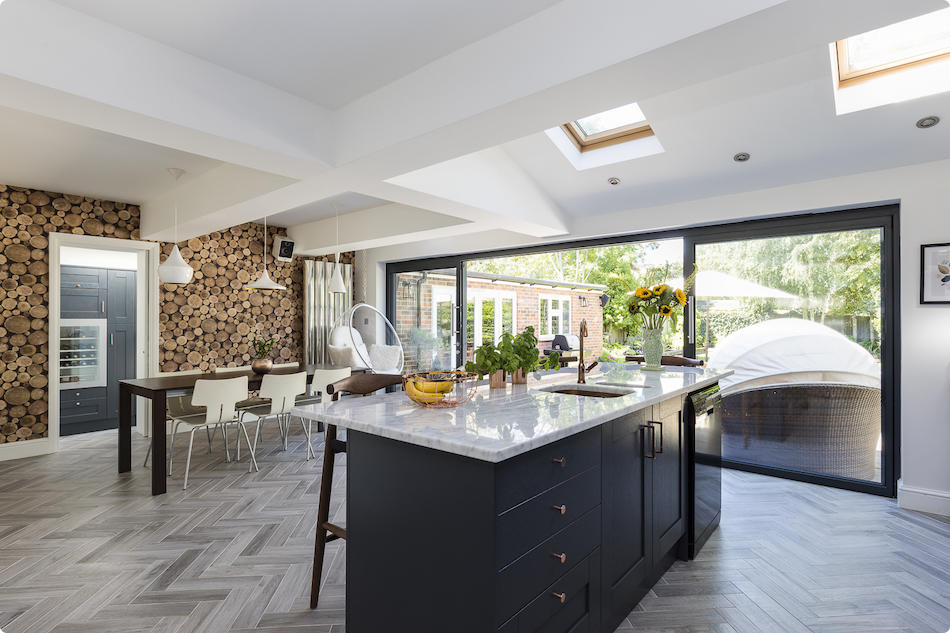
591,391
626,385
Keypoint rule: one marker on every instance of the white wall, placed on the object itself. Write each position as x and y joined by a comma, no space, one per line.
924,195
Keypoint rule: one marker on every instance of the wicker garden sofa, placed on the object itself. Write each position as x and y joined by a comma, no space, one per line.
830,428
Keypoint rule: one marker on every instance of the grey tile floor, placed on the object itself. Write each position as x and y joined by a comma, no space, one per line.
84,549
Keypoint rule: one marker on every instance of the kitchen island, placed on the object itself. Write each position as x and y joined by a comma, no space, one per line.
522,510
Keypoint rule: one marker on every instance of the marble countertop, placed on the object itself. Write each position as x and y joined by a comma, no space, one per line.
498,424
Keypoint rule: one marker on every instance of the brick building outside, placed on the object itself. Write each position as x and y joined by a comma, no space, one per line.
425,305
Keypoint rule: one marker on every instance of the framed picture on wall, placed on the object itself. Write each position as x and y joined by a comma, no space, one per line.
935,273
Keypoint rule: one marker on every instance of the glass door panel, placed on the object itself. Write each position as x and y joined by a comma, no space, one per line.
82,353
426,319
799,320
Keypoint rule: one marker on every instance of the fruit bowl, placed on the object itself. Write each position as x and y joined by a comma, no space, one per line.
440,389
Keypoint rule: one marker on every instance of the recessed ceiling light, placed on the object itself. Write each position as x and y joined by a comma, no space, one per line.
741,157
613,181
928,121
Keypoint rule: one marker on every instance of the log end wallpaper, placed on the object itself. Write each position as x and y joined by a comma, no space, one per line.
203,324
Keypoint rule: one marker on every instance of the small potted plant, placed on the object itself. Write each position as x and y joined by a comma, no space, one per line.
488,362
525,349
262,363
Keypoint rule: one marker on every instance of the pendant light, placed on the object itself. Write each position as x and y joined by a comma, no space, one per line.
264,282
336,280
174,270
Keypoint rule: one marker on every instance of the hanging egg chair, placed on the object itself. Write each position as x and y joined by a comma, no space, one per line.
362,323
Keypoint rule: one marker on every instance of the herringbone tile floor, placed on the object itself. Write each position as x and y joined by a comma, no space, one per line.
83,549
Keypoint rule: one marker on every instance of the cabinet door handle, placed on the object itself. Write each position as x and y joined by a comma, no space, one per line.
562,597
111,338
562,557
660,424
78,285
561,508
647,427
560,461
103,306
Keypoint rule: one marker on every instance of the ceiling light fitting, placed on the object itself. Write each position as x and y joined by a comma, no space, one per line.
928,121
264,282
741,157
613,181
175,270
336,279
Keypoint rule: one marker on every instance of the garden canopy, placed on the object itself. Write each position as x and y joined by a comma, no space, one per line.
792,351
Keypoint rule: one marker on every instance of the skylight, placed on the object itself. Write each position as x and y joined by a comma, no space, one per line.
913,41
610,127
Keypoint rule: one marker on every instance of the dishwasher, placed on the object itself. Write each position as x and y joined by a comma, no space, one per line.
703,416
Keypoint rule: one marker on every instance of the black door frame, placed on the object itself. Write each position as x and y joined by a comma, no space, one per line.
885,216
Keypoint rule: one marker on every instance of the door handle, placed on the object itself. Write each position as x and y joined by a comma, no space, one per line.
691,309
111,338
660,424
103,306
648,427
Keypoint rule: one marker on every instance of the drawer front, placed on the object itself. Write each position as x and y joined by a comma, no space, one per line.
526,577
82,394
527,525
524,476
84,409
549,614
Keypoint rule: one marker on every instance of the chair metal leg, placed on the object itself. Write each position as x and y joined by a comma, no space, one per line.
147,453
237,441
250,449
208,431
306,426
286,429
191,443
227,449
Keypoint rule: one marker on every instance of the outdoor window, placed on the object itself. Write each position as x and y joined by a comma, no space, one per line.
555,315
915,41
618,125
490,314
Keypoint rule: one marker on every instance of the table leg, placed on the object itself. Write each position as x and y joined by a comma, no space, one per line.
125,429
159,430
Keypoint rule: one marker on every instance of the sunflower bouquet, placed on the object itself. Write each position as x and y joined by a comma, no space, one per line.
651,307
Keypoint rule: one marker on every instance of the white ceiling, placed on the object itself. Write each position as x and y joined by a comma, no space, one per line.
424,120
329,52
47,154
341,204
782,113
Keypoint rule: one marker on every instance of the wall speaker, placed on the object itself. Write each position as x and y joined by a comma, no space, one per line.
283,249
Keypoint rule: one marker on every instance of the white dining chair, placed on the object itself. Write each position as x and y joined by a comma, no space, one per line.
219,397
181,415
318,393
282,390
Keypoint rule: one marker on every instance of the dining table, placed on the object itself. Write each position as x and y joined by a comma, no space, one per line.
156,389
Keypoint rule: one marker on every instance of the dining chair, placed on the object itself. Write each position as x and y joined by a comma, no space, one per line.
282,390
180,412
219,397
317,392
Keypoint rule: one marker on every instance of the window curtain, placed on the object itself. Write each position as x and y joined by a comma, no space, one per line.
322,310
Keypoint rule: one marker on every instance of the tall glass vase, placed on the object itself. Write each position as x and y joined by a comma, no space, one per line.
652,348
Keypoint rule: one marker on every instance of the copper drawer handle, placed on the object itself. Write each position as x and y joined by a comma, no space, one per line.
560,596
561,557
560,461
561,508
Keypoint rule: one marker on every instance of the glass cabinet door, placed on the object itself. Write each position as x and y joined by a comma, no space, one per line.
82,353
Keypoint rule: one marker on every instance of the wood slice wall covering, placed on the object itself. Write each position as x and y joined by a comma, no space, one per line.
202,324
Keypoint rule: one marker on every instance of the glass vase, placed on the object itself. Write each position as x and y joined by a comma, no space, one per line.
652,348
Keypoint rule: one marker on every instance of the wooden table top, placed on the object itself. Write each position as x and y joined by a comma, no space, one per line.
171,382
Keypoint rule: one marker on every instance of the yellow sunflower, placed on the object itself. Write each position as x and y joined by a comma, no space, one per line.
634,308
666,310
643,293
680,296
659,289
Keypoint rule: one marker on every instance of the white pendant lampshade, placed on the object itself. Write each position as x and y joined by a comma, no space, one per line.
336,279
264,282
174,270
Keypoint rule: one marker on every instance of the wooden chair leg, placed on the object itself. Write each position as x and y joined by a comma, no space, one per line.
323,515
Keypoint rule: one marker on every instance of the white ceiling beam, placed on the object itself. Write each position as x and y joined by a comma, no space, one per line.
381,226
101,76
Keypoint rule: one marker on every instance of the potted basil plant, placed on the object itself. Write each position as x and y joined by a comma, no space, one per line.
525,349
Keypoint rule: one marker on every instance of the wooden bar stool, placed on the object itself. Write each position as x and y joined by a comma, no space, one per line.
357,384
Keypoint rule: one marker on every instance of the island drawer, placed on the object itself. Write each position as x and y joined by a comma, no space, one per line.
520,581
561,607
526,475
527,525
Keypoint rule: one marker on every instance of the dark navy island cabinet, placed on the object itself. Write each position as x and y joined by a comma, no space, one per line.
566,538
94,293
